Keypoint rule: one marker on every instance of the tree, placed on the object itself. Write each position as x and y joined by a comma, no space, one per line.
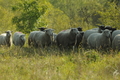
110,15
28,11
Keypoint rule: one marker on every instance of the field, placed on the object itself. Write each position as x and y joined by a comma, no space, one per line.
35,64
28,63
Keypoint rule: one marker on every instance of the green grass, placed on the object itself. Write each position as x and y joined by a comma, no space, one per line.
36,64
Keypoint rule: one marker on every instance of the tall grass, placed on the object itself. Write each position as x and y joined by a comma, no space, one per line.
35,64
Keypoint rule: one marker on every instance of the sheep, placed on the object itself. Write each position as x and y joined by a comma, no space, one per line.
79,28
100,27
68,30
31,36
99,40
116,32
5,38
79,35
116,42
54,38
18,39
79,39
43,39
66,39
88,32
42,28
110,28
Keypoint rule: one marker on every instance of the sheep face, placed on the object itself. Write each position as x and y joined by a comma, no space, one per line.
79,29
22,37
107,33
49,32
74,31
8,33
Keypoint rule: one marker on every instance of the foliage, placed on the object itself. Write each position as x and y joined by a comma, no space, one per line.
110,15
56,19
87,13
5,17
29,12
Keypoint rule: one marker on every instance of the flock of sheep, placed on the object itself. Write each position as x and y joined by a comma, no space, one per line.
103,37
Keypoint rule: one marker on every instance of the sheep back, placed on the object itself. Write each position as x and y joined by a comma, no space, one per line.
18,39
31,38
92,40
86,35
66,39
103,40
43,39
116,42
115,33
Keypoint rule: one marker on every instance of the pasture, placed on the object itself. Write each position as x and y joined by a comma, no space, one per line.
29,63
35,64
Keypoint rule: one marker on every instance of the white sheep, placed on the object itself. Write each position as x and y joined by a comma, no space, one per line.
116,32
31,36
91,40
116,42
5,38
18,39
88,32
100,40
67,39
43,39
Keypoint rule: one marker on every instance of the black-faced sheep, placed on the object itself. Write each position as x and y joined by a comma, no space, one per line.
100,40
116,42
66,39
18,39
111,29
5,38
88,32
43,39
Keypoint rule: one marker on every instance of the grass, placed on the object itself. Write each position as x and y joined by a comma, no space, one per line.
36,64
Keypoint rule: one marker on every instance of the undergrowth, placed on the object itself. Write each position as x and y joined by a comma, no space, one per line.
35,64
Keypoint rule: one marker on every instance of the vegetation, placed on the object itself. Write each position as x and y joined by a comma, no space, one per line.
35,64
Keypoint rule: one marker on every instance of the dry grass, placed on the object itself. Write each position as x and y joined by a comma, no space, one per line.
35,64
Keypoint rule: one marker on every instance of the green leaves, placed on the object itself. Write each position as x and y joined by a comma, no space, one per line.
29,12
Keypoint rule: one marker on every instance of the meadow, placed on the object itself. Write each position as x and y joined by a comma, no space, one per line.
28,63
35,64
